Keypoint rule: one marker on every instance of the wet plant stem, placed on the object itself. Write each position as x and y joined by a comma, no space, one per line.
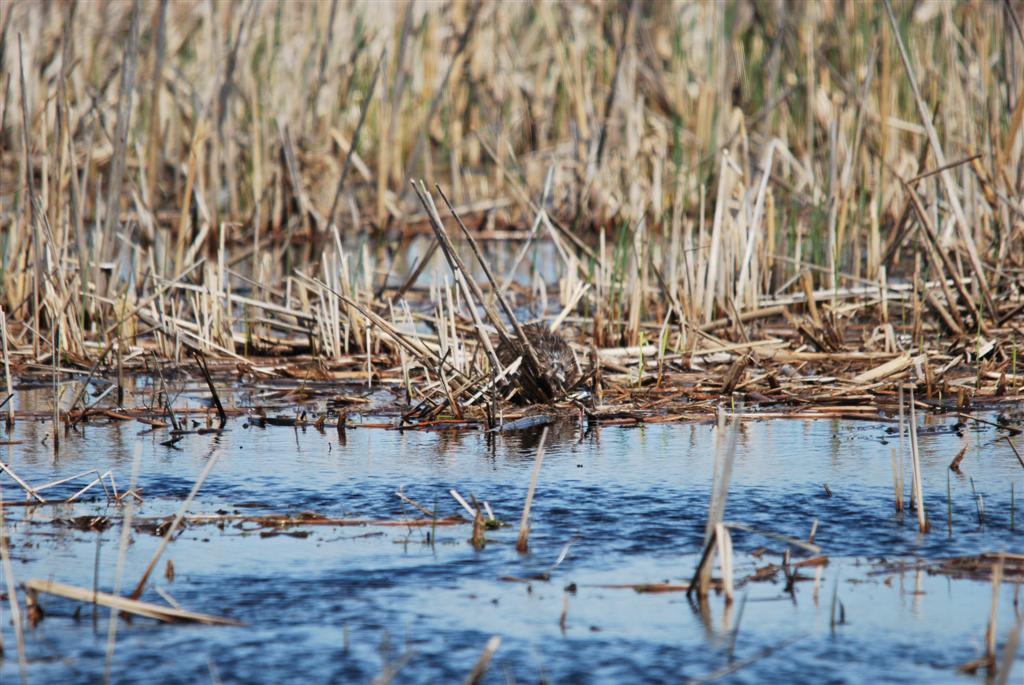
949,503
523,540
7,368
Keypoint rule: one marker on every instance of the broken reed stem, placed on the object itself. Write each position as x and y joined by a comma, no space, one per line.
955,464
215,454
7,367
540,372
12,595
465,282
723,543
478,538
915,460
979,504
896,485
201,361
172,614
725,452
126,533
25,486
533,366
484,662
522,542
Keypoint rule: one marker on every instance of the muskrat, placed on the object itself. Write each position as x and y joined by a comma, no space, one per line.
553,352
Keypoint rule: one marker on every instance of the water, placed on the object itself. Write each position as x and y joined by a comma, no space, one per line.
342,604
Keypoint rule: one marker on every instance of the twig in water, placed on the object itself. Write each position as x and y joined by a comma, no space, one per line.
408,500
458,498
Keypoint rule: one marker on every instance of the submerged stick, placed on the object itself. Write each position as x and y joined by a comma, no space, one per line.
522,542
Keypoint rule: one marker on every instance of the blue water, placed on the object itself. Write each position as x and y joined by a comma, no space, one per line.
341,604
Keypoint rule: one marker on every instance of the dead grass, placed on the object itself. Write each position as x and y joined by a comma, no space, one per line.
720,189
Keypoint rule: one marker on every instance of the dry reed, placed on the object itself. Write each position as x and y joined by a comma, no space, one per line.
700,184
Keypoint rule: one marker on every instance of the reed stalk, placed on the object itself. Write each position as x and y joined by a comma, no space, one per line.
915,461
522,540
7,369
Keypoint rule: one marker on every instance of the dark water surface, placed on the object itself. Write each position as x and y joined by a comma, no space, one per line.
342,604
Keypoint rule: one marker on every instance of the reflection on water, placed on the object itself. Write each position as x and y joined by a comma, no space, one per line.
342,603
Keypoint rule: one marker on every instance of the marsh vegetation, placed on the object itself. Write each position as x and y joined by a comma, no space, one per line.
486,231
